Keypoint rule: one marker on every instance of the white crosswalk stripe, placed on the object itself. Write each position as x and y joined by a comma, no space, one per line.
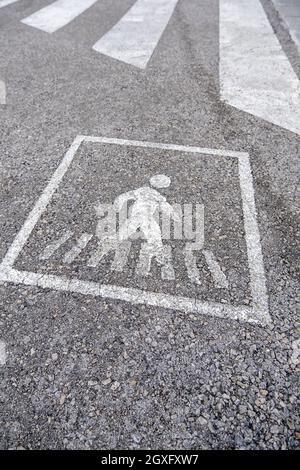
4,3
134,38
255,74
58,14
2,92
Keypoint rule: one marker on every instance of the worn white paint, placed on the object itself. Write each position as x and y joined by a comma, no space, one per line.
57,14
55,245
75,251
135,296
257,314
134,38
255,74
147,203
215,269
121,256
163,257
191,265
167,268
40,207
254,251
2,353
4,3
193,271
105,245
289,11
295,357
142,222
2,92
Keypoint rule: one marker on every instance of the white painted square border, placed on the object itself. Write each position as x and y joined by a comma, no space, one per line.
259,313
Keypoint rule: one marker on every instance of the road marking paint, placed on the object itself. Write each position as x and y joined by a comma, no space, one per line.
40,207
191,267
254,250
58,14
258,313
75,251
255,74
214,267
2,92
290,14
4,3
54,246
121,256
102,249
167,269
2,353
163,258
134,296
134,38
295,357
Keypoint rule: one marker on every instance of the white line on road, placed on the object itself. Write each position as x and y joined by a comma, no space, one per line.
254,250
2,92
134,38
214,267
4,3
58,14
135,296
255,74
2,353
40,206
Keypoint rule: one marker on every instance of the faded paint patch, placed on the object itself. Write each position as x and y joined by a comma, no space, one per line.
3,355
2,92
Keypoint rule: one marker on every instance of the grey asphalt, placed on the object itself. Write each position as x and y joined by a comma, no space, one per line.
84,372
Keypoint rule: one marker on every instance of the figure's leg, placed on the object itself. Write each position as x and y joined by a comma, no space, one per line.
167,269
144,262
191,265
147,253
121,256
152,232
128,228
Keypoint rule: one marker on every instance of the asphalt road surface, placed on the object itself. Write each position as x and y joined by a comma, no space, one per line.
185,336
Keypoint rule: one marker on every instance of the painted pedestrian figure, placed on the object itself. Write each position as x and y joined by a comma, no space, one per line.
139,213
145,204
148,203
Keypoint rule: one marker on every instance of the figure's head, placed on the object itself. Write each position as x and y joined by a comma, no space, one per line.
160,181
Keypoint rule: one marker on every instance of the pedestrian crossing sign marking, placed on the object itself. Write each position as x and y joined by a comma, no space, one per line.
153,247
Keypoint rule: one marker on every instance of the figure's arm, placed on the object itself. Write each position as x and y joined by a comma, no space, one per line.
122,199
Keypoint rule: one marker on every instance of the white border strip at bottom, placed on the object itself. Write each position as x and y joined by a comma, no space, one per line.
134,296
